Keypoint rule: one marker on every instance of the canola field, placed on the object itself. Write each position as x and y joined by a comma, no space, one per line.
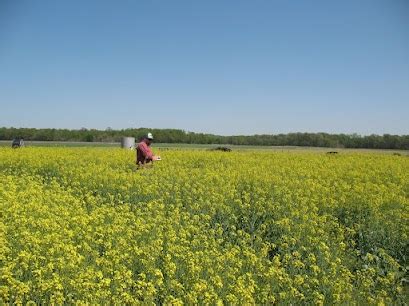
82,225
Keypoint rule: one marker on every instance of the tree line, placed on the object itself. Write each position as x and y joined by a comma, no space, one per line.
385,141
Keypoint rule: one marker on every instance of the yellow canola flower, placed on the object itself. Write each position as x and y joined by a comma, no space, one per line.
83,226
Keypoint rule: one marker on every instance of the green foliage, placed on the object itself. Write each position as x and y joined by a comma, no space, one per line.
83,226
179,136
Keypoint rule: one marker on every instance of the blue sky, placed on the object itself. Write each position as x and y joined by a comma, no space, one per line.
224,67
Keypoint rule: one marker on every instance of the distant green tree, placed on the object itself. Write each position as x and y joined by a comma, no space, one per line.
385,141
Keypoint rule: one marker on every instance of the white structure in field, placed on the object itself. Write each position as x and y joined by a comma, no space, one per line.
128,143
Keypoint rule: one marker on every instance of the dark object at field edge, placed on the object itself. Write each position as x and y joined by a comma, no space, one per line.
17,143
223,149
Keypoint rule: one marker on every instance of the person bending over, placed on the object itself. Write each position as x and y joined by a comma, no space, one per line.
144,153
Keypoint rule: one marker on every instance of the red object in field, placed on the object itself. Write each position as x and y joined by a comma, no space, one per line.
143,153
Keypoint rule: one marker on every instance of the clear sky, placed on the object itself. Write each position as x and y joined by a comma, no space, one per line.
224,67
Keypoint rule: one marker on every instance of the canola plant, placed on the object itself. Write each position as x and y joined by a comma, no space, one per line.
84,226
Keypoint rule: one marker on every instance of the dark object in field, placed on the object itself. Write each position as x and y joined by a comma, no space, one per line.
397,154
223,149
332,152
17,143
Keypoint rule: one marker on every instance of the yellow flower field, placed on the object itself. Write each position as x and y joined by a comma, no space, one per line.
81,225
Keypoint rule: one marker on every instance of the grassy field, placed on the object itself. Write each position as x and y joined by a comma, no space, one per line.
84,225
7,143
175,146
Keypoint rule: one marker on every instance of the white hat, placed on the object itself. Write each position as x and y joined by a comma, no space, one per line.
149,136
